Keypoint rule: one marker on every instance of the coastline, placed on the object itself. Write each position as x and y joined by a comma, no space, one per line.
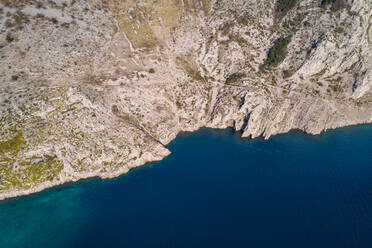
114,95
147,158
216,182
76,178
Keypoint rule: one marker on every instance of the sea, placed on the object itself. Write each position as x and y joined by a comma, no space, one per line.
216,189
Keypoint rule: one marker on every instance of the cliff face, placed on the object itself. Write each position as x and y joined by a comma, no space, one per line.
96,87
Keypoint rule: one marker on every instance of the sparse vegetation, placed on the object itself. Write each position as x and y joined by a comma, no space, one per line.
335,4
196,57
190,68
339,30
324,3
234,77
9,38
241,41
277,52
287,73
335,88
244,20
12,146
283,6
179,105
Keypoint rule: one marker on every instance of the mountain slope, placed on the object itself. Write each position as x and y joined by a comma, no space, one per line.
94,88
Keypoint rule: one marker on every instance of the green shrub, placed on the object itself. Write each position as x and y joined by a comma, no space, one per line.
324,3
277,52
14,77
287,73
283,6
234,77
152,70
336,4
336,88
339,30
244,20
9,38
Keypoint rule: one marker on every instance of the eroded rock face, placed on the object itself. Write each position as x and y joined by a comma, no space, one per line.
96,87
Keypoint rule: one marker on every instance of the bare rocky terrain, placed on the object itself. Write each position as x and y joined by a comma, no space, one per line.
97,87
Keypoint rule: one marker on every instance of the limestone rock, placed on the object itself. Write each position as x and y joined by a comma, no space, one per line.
97,87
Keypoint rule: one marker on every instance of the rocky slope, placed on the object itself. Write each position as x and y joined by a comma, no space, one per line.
96,87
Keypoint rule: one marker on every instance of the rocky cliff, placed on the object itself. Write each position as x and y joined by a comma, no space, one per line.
97,87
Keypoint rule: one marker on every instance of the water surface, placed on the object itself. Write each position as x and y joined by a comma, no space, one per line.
214,190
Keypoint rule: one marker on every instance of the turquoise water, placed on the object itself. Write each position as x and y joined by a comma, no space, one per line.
214,190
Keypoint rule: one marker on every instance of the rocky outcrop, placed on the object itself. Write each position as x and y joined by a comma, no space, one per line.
95,88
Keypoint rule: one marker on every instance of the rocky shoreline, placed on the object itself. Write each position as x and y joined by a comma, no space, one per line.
110,83
125,170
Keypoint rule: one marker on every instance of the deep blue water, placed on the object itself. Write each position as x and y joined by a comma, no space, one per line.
214,190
